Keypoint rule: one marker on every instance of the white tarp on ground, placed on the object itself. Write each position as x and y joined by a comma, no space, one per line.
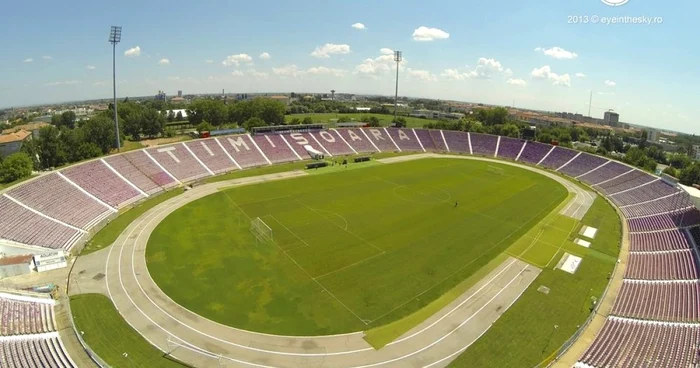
569,263
582,242
589,232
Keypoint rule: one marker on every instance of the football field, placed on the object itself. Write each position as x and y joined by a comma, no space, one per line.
354,249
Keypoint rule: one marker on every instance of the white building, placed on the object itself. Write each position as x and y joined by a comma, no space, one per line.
15,266
50,261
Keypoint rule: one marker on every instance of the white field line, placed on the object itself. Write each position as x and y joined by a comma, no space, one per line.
469,139
444,140
161,166
613,178
568,162
418,140
85,191
320,145
343,139
498,146
81,231
592,170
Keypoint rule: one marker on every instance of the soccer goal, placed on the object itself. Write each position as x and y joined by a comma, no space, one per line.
261,230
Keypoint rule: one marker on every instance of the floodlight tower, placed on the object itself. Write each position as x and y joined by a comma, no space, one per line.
115,35
397,58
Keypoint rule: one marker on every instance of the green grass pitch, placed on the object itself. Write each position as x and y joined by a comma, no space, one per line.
352,250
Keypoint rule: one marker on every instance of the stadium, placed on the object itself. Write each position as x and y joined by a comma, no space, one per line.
389,247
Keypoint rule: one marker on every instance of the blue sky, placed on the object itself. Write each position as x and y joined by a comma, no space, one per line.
498,52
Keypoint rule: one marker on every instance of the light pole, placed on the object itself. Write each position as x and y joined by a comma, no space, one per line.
115,35
397,58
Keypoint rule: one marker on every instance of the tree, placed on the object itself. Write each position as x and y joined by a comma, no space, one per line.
253,122
204,127
510,130
171,116
100,131
152,123
690,175
179,117
344,119
373,121
307,120
671,171
50,148
16,166
399,122
295,121
679,160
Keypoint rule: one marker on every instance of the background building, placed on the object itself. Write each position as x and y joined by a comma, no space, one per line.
611,118
15,266
11,143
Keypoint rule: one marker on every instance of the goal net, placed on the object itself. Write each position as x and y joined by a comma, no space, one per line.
261,230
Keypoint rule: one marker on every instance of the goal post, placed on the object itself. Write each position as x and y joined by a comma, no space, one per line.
261,230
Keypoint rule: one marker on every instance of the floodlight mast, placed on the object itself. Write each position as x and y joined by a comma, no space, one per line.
397,58
115,35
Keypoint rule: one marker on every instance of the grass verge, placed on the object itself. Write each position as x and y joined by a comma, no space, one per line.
108,234
110,337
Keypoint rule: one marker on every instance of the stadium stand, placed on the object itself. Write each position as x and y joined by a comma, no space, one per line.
141,162
627,342
212,155
611,170
179,161
558,157
583,164
669,265
659,300
55,197
510,148
24,226
134,174
483,144
429,143
243,150
624,182
97,179
437,138
357,140
534,152
332,142
674,239
275,148
28,336
458,142
34,351
405,139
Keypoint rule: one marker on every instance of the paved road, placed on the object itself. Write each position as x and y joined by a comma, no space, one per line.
201,342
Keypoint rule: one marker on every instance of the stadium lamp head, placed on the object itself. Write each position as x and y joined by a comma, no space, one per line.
115,34
397,56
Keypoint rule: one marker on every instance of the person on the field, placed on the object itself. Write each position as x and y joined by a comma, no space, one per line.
456,204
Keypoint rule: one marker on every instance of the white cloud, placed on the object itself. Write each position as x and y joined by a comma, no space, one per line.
610,83
185,79
235,73
580,75
454,74
286,71
61,83
424,33
508,72
322,70
46,57
546,72
422,75
28,60
209,61
90,67
517,82
256,74
325,51
381,64
386,51
558,53
264,56
237,60
99,83
164,61
359,26
132,52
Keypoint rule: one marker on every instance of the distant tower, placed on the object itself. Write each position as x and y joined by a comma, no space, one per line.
179,93
333,94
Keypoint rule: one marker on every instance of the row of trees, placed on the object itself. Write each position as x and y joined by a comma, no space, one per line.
216,113
56,146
